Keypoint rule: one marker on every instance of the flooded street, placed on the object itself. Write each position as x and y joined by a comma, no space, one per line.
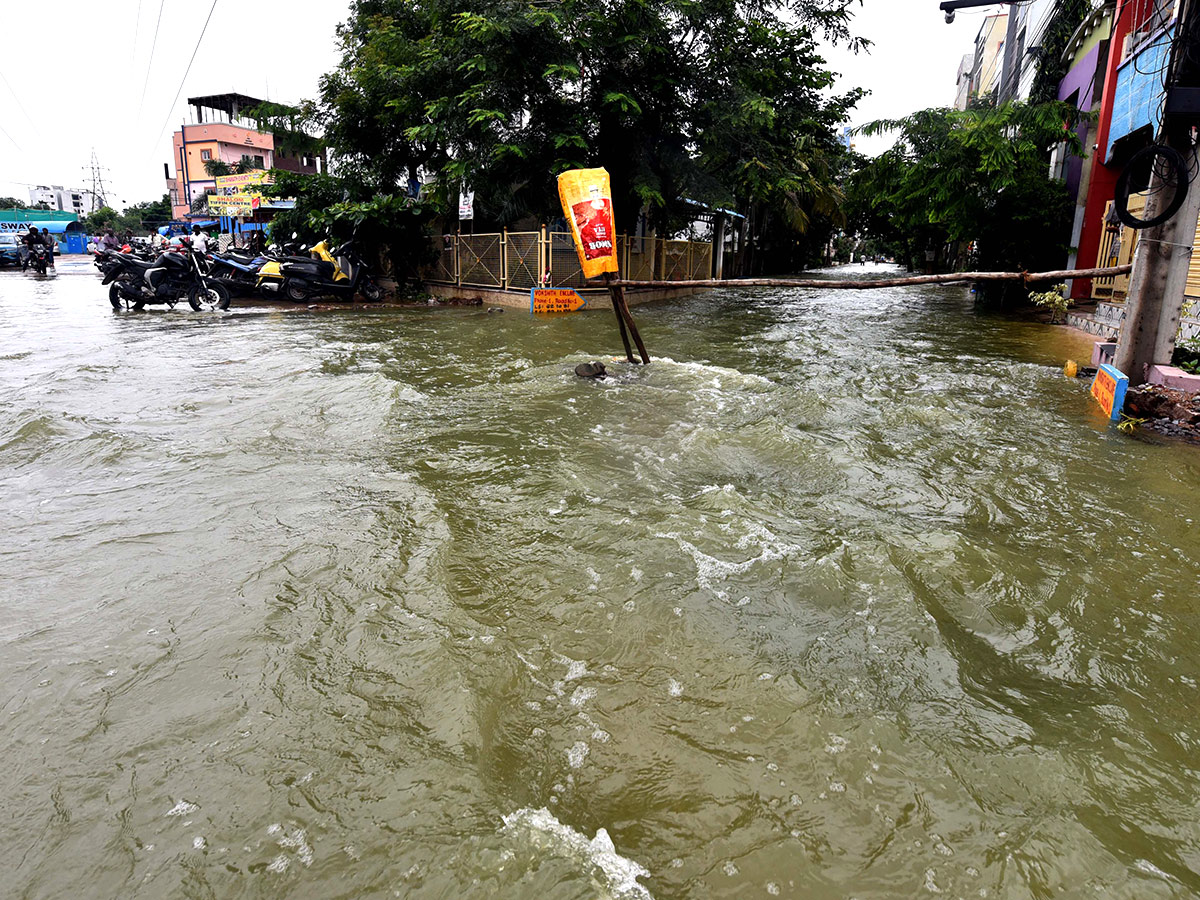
847,595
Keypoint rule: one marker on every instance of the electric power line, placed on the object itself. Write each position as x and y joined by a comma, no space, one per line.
196,50
150,62
10,137
20,105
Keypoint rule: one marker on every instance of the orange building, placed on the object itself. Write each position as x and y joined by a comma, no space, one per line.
220,132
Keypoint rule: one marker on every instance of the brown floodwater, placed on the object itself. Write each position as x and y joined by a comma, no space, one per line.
846,595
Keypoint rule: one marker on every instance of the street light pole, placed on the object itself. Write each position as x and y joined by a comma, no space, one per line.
949,7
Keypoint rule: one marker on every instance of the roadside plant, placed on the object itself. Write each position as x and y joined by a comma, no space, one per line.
1130,424
1055,300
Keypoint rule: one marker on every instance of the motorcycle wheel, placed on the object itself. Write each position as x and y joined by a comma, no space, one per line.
372,291
214,298
295,291
119,301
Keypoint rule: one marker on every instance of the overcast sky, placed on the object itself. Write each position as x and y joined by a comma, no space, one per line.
97,55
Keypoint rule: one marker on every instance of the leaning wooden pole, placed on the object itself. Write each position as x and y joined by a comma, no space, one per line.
625,320
624,333
834,285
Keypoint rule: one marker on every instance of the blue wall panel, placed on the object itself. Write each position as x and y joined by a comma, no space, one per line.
1139,95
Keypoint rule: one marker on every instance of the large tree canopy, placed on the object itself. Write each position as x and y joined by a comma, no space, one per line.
978,175
718,101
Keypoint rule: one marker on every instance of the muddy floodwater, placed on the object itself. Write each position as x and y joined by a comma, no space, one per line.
847,595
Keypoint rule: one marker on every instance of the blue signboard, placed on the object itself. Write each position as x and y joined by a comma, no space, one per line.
1109,387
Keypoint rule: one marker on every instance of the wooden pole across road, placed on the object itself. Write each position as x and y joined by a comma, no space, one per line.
835,285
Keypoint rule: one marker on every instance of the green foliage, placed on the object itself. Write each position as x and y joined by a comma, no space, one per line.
218,167
1130,424
96,222
1067,16
724,103
139,218
11,203
978,175
1055,300
342,207
145,217
287,124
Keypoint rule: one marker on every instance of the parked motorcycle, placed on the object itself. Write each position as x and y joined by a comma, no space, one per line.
270,273
341,274
237,270
134,283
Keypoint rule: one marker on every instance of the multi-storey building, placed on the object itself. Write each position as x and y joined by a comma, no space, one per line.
220,132
989,56
71,200
962,93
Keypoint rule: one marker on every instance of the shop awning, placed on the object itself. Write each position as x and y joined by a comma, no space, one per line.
59,227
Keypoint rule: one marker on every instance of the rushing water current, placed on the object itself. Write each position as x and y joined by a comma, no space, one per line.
847,595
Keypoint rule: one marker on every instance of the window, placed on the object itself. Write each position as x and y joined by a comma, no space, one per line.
205,155
258,162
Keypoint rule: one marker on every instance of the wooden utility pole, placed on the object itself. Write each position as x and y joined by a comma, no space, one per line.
1164,252
625,320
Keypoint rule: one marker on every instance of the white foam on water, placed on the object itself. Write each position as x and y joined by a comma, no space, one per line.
576,669
577,754
710,570
582,695
716,372
183,808
599,854
278,865
674,688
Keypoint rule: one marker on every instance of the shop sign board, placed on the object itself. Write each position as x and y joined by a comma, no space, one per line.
234,205
1109,387
555,300
244,179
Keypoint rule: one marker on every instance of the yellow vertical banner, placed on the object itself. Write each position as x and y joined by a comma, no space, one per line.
586,196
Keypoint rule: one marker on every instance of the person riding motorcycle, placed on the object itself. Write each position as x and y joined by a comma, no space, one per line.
50,244
109,241
29,240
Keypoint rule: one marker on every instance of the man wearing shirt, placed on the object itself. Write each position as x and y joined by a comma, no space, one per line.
199,240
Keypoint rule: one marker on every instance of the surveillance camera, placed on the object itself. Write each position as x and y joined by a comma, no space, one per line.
949,17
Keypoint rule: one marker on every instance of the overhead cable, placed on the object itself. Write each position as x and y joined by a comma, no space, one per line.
195,50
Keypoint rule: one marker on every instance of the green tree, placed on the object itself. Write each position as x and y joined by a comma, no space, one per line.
708,100
104,217
978,175
146,216
11,203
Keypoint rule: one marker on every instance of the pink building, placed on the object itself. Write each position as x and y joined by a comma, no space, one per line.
220,132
